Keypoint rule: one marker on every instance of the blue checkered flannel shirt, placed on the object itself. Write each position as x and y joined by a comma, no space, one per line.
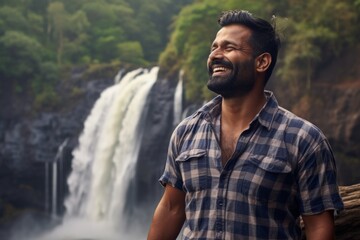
282,168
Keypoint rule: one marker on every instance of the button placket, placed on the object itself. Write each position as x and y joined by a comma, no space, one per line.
220,205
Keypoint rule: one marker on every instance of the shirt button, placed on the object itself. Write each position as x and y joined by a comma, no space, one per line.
218,235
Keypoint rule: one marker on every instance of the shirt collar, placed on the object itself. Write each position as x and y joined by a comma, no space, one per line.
266,116
211,110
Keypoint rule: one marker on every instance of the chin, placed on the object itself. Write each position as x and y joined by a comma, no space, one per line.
219,85
219,89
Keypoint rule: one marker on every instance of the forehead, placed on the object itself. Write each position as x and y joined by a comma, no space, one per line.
233,33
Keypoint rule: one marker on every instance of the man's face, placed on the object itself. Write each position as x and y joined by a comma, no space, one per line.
231,64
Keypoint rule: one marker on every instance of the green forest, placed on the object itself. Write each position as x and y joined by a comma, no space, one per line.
312,32
40,40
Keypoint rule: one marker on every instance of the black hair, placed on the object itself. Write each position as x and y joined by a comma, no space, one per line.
263,38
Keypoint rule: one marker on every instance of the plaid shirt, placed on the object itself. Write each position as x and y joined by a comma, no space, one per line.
282,167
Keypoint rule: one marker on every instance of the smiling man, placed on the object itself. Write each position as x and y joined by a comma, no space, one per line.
242,167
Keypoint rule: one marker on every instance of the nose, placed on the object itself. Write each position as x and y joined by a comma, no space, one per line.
216,53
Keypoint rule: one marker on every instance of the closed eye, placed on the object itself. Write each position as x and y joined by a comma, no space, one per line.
231,48
226,49
213,48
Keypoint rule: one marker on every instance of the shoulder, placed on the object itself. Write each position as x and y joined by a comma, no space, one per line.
189,125
301,136
300,126
195,128
201,116
277,118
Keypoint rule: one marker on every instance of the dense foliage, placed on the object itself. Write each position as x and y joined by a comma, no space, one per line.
312,33
39,38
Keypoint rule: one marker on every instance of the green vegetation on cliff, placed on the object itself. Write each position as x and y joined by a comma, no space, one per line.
38,38
41,38
313,32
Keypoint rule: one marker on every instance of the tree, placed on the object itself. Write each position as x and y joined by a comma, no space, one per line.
19,64
20,56
12,19
56,26
318,31
105,32
131,52
77,36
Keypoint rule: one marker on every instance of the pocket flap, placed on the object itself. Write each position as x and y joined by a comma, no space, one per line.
271,164
192,153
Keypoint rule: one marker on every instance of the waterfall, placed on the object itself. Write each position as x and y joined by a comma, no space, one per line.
46,191
178,99
54,192
105,160
57,165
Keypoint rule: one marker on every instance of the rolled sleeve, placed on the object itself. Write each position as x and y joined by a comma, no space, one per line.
318,189
171,174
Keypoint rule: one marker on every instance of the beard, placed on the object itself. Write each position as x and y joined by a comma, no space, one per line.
239,80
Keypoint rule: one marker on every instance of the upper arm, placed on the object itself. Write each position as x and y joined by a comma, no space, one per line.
319,226
169,215
173,199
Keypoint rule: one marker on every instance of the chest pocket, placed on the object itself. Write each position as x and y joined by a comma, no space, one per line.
194,167
267,179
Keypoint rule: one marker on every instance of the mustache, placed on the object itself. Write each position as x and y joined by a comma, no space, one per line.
221,62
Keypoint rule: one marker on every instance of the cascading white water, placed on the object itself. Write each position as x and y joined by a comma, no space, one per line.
54,190
47,187
57,167
178,98
105,161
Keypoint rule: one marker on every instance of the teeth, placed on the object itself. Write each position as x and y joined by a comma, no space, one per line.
219,69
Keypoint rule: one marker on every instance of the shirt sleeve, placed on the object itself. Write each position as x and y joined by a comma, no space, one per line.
172,174
316,176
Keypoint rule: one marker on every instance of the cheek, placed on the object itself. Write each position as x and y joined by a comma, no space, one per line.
208,64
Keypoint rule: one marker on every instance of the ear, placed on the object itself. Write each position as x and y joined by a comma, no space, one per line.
263,62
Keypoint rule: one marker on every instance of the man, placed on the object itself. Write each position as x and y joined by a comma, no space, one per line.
242,167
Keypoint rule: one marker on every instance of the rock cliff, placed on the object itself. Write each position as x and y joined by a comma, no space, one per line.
29,143
333,105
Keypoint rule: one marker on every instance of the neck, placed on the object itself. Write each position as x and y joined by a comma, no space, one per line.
237,112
